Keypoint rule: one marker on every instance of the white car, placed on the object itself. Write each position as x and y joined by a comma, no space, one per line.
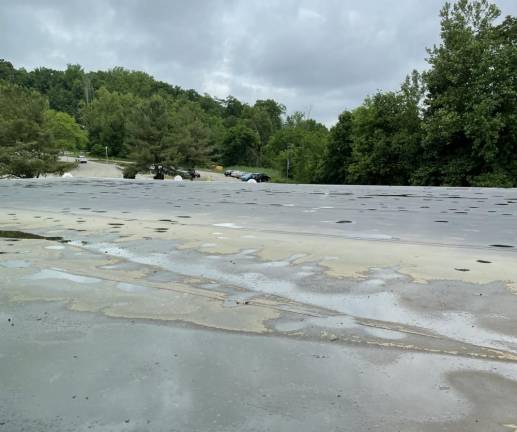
81,159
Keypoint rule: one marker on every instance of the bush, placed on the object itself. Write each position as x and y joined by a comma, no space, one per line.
129,171
493,179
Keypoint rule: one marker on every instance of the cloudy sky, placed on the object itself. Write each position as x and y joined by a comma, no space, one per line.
317,56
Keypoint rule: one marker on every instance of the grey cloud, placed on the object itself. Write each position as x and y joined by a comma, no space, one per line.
322,56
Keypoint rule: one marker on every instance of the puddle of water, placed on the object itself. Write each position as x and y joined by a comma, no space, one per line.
338,322
332,322
15,264
374,236
384,333
131,288
207,269
304,274
274,264
27,236
228,225
382,306
55,247
59,274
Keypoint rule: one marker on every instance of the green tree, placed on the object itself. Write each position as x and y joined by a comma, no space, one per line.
298,148
338,152
387,133
66,133
12,75
275,112
471,105
258,119
26,145
150,136
64,89
233,107
240,145
265,117
191,135
120,80
106,119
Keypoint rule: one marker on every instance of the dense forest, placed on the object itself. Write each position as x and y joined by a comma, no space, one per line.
453,124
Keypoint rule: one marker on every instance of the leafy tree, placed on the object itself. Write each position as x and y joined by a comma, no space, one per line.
233,107
211,106
7,71
386,136
120,80
239,146
191,135
258,119
338,152
471,105
12,75
64,89
300,146
43,79
265,118
26,145
150,136
106,119
68,94
275,112
66,133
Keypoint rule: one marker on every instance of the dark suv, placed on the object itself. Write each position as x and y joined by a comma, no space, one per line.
258,177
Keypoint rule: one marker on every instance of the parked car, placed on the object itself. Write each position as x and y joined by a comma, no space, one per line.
236,174
189,173
81,159
193,173
228,173
260,177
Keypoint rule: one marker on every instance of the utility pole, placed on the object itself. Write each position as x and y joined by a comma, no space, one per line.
289,149
106,154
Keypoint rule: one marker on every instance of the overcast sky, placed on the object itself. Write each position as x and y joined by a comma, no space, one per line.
317,56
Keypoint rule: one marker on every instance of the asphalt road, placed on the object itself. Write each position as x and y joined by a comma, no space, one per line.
228,306
92,169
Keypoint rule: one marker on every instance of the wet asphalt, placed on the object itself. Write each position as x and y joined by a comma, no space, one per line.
70,370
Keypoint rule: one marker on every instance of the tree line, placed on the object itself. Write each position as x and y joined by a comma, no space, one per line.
453,124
